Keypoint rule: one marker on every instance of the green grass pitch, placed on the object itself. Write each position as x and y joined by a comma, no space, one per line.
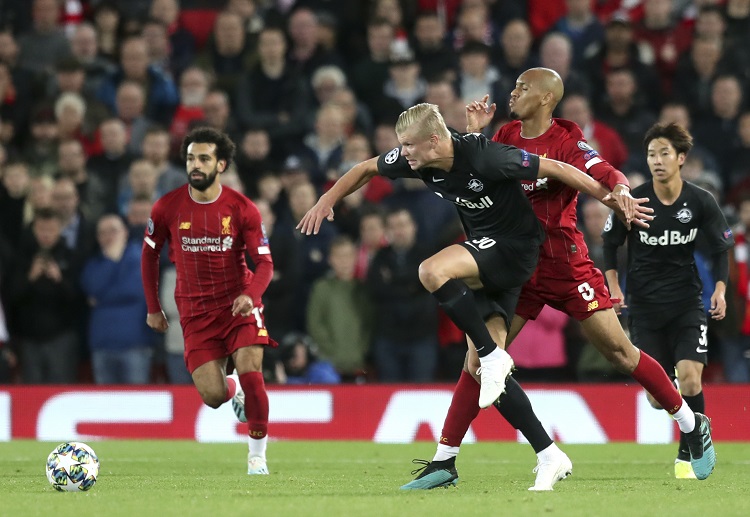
168,478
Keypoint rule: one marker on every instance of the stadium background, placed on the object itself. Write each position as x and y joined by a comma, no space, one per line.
329,121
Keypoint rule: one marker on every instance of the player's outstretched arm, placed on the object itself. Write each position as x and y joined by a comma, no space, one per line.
479,114
582,182
354,179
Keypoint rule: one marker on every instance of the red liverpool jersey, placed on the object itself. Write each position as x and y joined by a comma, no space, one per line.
207,244
554,202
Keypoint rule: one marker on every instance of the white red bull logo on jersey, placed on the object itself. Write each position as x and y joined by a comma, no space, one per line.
668,238
484,202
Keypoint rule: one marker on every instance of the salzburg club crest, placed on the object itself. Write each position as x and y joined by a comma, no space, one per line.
684,215
392,156
476,185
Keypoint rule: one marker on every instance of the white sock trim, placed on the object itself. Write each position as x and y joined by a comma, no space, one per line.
685,418
549,453
445,452
257,447
497,354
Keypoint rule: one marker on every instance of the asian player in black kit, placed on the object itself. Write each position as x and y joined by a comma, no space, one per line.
666,315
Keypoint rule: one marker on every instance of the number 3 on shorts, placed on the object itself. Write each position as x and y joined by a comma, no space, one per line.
587,293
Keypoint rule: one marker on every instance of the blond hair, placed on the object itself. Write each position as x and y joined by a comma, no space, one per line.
428,119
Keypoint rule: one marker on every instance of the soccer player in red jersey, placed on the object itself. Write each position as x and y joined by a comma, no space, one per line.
565,279
209,229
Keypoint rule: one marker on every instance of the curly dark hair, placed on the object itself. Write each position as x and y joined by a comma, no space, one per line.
207,135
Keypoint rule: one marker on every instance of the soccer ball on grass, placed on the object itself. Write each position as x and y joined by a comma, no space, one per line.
72,467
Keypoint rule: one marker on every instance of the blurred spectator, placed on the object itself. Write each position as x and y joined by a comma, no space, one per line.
619,50
623,112
156,147
130,103
516,54
71,162
117,333
280,298
85,48
254,158
477,76
17,88
405,86
45,43
142,181
43,307
717,130
663,38
600,136
139,212
181,43
39,197
371,239
474,24
112,164
155,35
160,92
739,160
77,228
369,74
251,14
313,249
70,110
194,86
40,151
218,113
436,58
306,54
11,116
356,115
556,53
227,53
109,24
300,363
323,147
695,74
582,27
70,76
340,312
271,94
14,188
405,347
325,81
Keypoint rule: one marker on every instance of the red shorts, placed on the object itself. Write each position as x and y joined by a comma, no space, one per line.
578,292
217,334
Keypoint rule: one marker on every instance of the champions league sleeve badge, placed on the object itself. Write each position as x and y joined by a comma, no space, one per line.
150,226
392,156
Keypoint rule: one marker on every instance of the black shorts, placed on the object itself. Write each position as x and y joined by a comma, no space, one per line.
672,339
504,266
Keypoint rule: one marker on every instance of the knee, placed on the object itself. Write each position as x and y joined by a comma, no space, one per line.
690,385
623,357
212,398
430,276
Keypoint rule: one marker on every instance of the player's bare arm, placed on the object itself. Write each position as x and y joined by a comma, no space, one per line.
718,301
157,321
586,184
353,180
242,305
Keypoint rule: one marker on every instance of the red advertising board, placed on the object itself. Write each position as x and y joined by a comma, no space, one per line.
572,413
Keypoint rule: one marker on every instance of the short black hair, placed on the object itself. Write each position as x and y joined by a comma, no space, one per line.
207,135
677,135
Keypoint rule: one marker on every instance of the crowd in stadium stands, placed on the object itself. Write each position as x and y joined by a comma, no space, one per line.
96,96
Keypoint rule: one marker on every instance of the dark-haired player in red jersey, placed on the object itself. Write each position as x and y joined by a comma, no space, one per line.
209,229
565,278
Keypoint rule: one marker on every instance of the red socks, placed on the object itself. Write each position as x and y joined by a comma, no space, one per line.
256,404
463,410
231,389
654,379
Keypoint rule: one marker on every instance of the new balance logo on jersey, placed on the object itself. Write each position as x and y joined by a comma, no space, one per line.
668,238
484,202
